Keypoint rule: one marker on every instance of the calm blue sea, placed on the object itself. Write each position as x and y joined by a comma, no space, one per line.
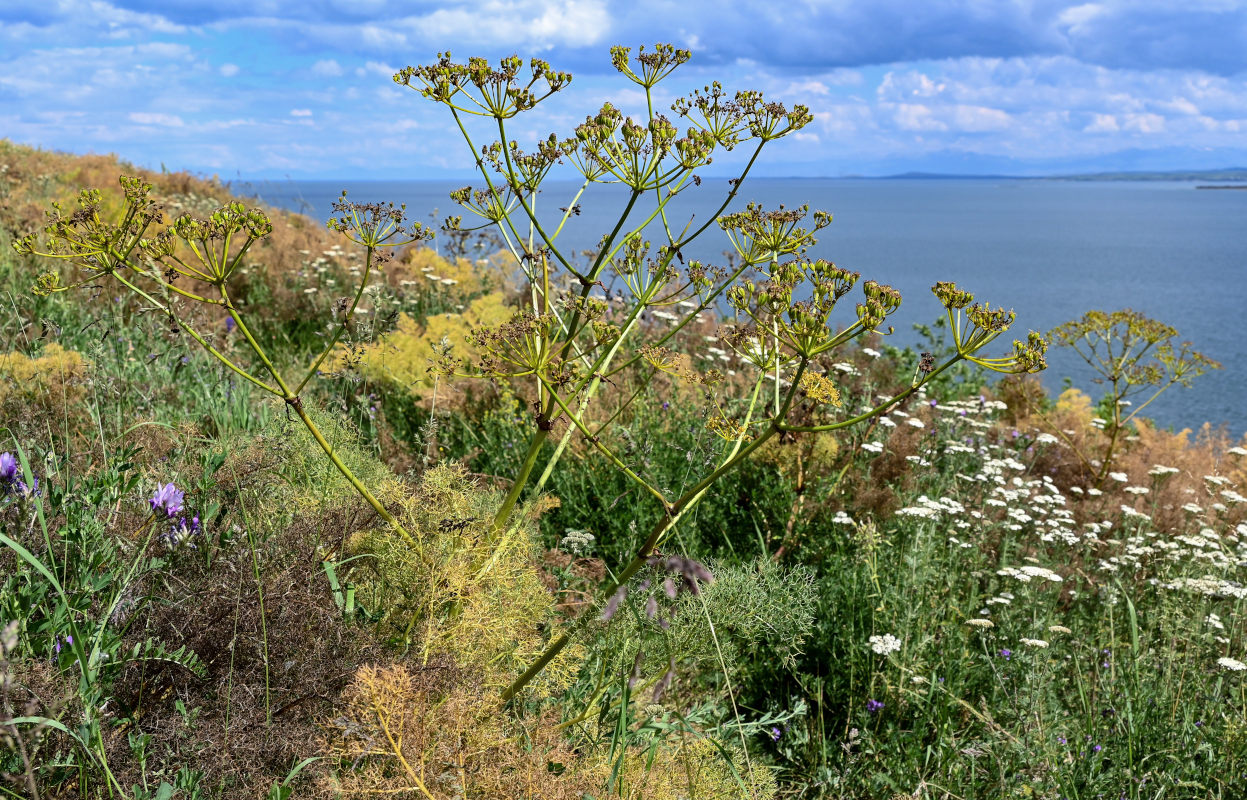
1049,249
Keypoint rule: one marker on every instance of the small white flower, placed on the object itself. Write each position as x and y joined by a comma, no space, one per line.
1137,489
1094,492
310,290
981,623
1236,451
915,422
1059,629
883,645
1232,664
1161,469
1120,477
1034,643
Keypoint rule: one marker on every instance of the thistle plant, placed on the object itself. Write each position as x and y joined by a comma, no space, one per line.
567,343
177,265
1134,355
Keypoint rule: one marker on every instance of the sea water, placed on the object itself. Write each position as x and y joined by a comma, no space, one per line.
1051,250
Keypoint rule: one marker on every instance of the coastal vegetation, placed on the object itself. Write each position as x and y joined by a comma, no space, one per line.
294,510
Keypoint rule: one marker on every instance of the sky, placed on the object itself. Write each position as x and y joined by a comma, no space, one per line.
302,88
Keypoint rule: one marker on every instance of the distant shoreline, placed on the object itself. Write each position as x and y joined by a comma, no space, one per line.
1221,187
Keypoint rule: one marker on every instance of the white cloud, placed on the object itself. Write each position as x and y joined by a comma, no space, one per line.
327,68
1144,123
513,23
916,117
228,70
163,120
300,112
1103,123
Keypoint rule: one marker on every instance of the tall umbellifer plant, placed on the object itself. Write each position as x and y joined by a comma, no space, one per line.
191,261
567,342
1132,355
570,344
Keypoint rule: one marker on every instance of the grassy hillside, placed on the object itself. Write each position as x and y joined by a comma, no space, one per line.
955,598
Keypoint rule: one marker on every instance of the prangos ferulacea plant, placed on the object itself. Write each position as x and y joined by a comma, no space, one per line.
569,343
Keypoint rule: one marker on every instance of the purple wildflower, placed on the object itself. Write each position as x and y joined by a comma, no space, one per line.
8,468
181,530
874,706
775,734
229,324
167,498
1006,654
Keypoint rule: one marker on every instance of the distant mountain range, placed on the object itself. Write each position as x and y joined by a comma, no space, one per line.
1227,175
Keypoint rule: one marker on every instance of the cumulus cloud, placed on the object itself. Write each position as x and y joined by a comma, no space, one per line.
327,68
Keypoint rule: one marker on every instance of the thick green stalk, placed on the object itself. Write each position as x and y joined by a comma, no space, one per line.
346,472
521,479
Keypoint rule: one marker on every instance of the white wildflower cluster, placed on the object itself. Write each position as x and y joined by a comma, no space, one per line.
1028,573
1232,664
885,644
927,508
1125,540
1040,643
1209,587
578,543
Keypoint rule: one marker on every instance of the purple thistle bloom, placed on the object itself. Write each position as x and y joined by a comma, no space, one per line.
167,498
874,706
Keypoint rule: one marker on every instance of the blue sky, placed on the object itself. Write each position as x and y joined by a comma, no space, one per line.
302,88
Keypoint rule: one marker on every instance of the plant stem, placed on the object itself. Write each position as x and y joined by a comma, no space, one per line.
521,479
346,472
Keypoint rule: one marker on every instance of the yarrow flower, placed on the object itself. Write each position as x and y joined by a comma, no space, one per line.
883,645
1232,664
1040,643
168,499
